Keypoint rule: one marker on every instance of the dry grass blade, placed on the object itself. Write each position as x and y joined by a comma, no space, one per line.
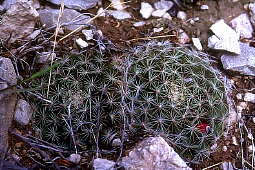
148,38
55,42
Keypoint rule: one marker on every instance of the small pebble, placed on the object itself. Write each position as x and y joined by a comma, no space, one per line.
182,15
116,142
197,43
250,136
82,43
234,140
251,148
204,7
146,10
158,13
139,24
75,158
224,148
167,16
249,97
155,30
253,119
88,34
239,96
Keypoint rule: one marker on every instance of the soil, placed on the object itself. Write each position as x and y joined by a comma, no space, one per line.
124,36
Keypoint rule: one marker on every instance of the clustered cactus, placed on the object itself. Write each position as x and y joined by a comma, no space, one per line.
162,89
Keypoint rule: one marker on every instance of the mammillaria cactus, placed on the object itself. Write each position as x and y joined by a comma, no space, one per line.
166,90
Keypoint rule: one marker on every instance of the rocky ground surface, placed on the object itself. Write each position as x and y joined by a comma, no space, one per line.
34,33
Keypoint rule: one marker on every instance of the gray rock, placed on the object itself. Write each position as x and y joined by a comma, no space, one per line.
88,34
33,35
116,142
71,19
163,5
75,158
23,112
225,38
120,15
204,7
77,4
139,23
251,8
243,63
153,153
103,164
7,3
1,9
7,101
242,26
19,21
182,15
227,166
249,97
45,57
158,13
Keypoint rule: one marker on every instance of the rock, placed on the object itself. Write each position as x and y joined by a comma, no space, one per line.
243,63
251,9
167,16
153,153
197,43
33,35
163,5
118,4
182,15
7,4
249,97
7,101
23,112
103,164
146,10
77,4
242,26
224,148
239,96
225,38
74,158
158,13
88,34
45,57
1,9
155,30
139,24
227,166
70,18
82,43
116,142
19,21
183,37
204,7
120,15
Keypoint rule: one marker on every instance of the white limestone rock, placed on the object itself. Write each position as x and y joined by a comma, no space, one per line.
224,38
242,26
146,10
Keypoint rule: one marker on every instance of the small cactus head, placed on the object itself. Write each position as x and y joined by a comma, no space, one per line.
162,89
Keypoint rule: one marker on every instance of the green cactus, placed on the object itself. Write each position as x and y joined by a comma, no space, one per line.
162,89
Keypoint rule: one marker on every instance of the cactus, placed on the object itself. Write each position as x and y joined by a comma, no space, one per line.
162,89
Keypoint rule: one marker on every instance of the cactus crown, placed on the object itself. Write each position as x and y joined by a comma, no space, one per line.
161,89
